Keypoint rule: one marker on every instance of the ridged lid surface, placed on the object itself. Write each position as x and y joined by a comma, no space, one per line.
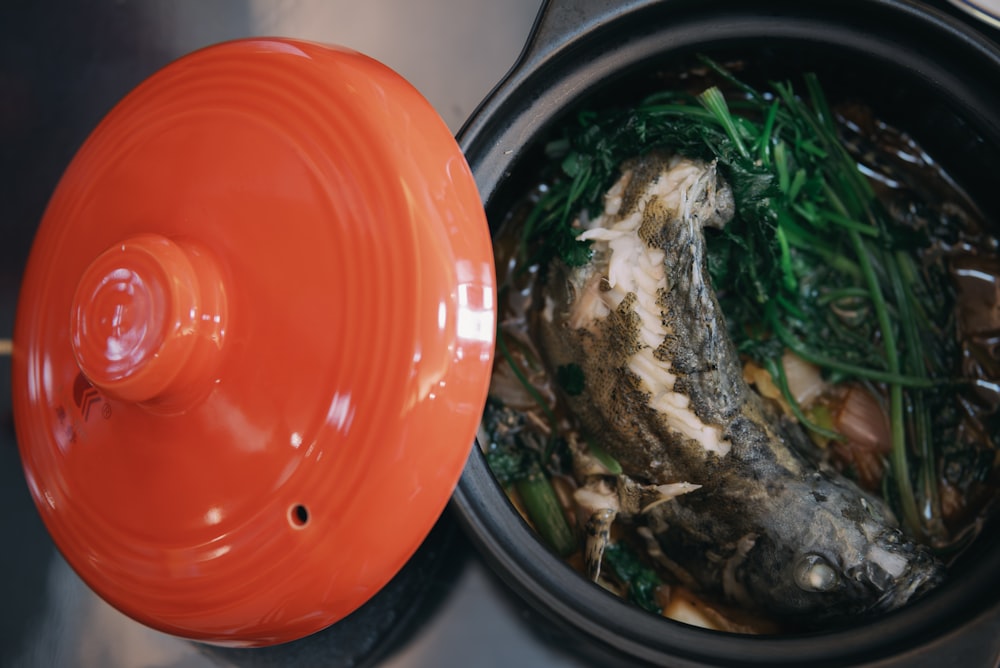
253,341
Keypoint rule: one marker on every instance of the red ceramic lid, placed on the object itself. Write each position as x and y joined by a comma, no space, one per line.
253,341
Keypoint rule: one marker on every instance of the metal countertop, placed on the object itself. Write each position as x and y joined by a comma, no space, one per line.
62,67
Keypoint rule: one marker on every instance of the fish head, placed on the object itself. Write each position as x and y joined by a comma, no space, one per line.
845,560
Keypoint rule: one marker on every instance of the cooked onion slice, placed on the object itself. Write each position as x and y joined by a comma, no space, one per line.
805,383
864,424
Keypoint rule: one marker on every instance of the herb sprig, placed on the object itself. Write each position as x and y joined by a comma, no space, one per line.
812,262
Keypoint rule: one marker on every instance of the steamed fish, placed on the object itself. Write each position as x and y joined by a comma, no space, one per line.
730,494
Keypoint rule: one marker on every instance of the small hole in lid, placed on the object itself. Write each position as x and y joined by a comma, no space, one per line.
298,515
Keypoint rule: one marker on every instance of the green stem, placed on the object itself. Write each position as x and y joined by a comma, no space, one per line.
857,191
678,110
898,455
543,508
922,437
842,293
715,102
764,148
818,358
787,273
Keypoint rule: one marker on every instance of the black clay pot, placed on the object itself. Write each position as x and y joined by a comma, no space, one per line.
922,70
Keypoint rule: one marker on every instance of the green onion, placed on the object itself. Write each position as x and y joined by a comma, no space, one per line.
545,512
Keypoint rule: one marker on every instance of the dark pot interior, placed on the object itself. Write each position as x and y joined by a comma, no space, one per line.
921,71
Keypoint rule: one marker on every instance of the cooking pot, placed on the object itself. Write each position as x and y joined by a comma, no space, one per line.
922,71
898,56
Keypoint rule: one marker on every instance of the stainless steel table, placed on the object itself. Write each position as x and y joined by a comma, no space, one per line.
62,67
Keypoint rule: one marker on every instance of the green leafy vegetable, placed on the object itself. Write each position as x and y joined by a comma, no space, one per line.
812,262
640,580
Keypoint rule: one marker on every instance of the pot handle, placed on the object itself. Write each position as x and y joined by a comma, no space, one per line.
561,21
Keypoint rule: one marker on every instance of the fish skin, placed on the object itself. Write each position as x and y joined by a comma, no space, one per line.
771,527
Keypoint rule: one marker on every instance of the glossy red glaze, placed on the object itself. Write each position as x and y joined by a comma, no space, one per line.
253,341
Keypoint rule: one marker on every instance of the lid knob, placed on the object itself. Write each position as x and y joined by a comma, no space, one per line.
147,321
